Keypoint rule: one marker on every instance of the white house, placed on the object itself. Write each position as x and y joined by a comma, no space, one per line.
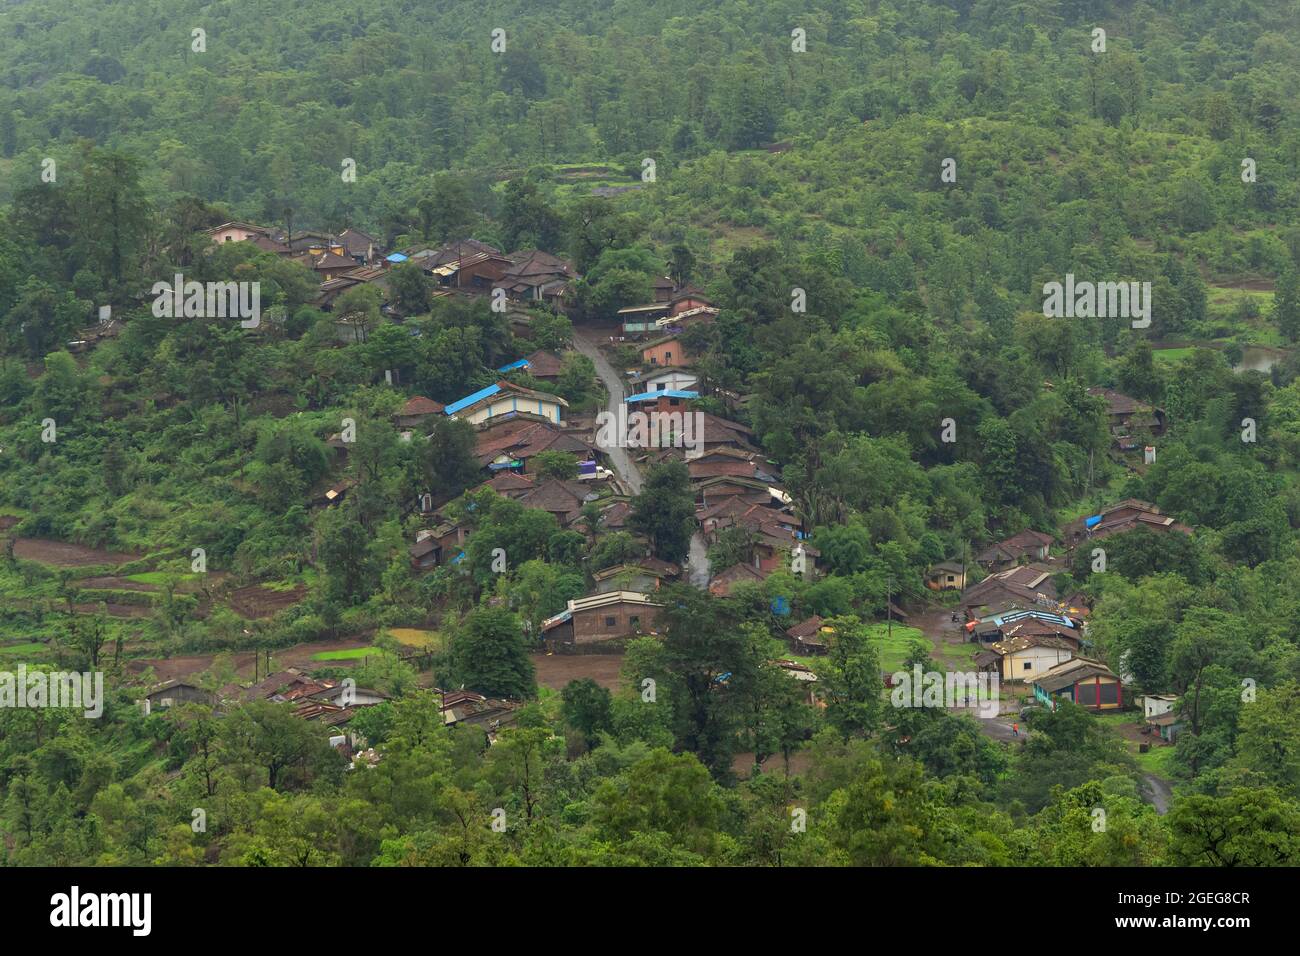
1153,705
1024,658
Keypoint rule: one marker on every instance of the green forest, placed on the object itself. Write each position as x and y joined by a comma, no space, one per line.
911,173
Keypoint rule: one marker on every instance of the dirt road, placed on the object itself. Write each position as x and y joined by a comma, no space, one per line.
613,382
624,466
1157,792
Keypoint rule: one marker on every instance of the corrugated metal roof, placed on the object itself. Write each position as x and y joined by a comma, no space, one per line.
662,393
469,400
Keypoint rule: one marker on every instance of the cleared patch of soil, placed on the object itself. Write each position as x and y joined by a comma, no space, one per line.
64,555
256,601
556,670
1248,285
176,668
114,583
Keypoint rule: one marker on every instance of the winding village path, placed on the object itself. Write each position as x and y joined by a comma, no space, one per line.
698,562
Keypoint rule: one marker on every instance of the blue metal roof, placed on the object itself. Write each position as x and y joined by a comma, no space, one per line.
662,393
469,400
395,257
1014,616
522,363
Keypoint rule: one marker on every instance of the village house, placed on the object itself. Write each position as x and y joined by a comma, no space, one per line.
724,583
1004,624
437,546
1028,583
363,248
725,462
1027,545
279,687
334,493
542,365
417,412
809,636
174,693
1129,515
1025,657
238,232
508,443
1168,725
536,276
466,264
643,575
666,350
1131,421
661,401
328,263
714,491
600,617
726,501
804,674
474,710
508,484
669,378
563,499
638,319
946,576
613,517
1088,683
348,696
1153,705
503,399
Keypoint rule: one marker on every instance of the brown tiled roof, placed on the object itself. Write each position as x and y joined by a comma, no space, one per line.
723,583
805,628
1075,669
535,264
616,515
419,405
357,243
1024,641
506,482
326,260
544,364
1118,403
556,497
522,438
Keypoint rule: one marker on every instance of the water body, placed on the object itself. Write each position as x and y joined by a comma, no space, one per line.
1254,358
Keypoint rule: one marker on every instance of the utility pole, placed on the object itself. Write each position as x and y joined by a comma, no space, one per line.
889,606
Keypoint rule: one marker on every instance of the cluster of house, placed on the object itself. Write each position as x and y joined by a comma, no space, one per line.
349,258
330,704
1029,632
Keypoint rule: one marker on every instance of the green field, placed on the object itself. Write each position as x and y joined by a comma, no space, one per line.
355,654
22,649
893,649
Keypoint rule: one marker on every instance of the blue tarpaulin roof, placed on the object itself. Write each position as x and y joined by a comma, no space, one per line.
662,393
468,400
522,363
1092,522
396,257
